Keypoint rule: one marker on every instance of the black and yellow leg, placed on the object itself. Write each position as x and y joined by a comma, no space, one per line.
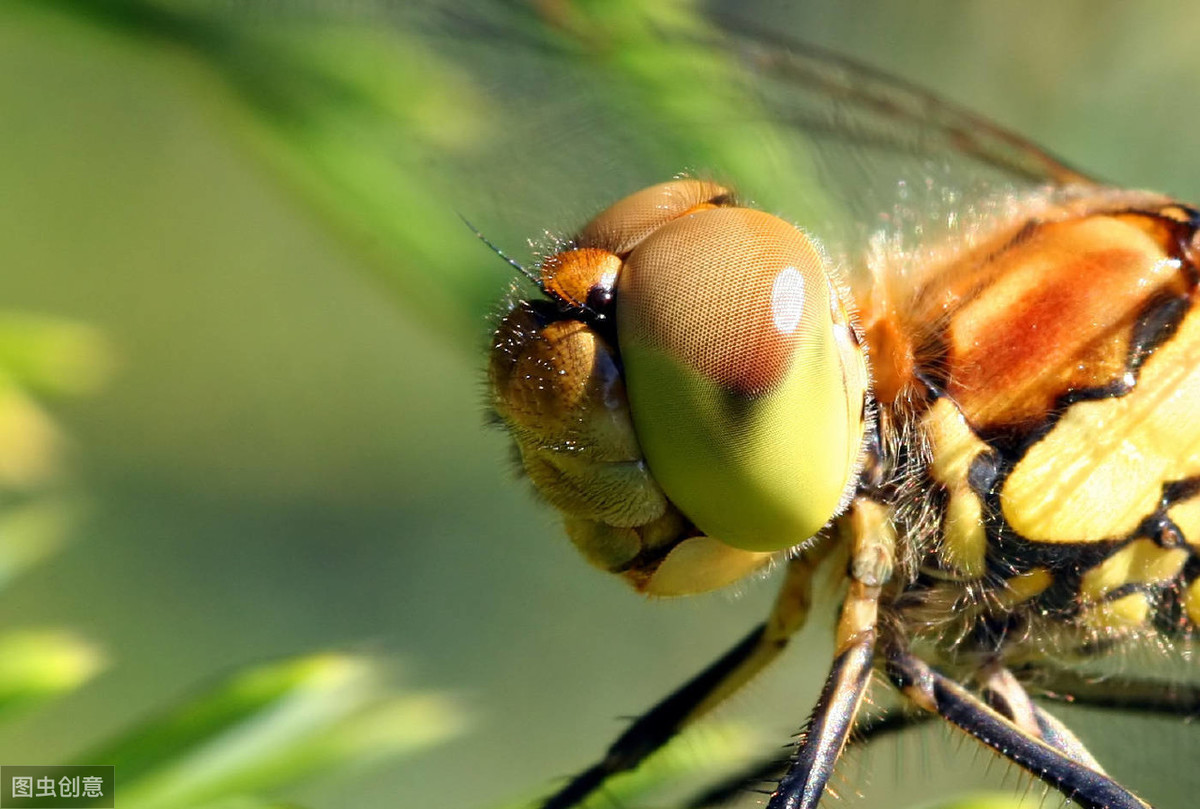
832,719
1004,692
870,536
881,723
931,690
696,697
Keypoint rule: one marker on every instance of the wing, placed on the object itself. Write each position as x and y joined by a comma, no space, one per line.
600,108
834,99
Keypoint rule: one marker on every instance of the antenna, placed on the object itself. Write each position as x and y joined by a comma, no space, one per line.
512,262
535,278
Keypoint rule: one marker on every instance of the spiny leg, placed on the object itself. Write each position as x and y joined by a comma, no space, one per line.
1142,695
1005,693
827,731
872,540
934,692
866,730
696,697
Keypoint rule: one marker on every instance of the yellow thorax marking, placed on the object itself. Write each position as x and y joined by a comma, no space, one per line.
1100,471
954,446
1124,613
1139,562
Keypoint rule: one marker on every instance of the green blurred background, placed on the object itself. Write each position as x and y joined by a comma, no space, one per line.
256,208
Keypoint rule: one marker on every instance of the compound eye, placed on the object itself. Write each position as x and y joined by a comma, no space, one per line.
747,386
584,276
625,223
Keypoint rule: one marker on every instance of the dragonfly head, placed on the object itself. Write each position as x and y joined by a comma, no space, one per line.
746,380
690,394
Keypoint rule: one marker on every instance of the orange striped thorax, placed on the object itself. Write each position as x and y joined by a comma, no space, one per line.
1048,379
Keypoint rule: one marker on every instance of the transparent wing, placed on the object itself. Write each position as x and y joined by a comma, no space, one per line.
601,106
839,101
396,118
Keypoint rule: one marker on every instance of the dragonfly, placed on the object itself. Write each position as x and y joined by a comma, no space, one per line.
969,396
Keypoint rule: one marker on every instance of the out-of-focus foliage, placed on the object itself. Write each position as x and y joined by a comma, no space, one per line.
39,665
40,358
261,730
264,729
328,96
329,101
273,726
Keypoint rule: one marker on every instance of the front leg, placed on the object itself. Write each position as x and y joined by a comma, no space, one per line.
1005,693
873,543
699,695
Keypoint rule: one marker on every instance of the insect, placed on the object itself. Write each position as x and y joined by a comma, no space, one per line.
980,409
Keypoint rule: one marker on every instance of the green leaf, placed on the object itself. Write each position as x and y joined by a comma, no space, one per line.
391,124
38,665
51,356
995,800
696,757
272,726
31,532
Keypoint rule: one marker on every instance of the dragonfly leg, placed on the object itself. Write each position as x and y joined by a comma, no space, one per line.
867,729
1117,693
873,543
697,696
827,731
933,691
1005,693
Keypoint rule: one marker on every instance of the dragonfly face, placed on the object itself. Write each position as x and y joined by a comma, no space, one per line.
998,430
742,395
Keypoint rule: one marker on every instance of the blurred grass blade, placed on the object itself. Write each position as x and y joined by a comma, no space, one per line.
40,357
52,357
391,121
38,665
243,802
349,111
32,531
1036,799
272,726
699,756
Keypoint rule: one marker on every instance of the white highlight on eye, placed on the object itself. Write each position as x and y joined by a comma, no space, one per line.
787,299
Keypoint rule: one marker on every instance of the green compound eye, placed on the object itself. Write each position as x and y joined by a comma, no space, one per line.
745,380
